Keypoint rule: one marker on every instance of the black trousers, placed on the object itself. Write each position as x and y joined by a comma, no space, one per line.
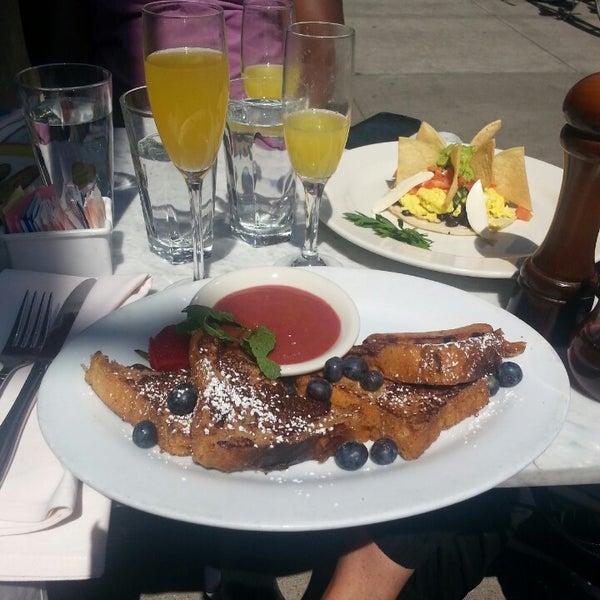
453,548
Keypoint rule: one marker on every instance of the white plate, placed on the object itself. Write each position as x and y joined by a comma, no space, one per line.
479,453
303,279
361,179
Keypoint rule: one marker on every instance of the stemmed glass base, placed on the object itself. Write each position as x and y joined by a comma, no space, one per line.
310,256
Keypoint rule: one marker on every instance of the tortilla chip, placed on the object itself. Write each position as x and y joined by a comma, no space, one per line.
482,162
429,135
414,156
510,176
486,133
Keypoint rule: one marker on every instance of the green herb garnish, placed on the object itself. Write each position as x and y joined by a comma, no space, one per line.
256,342
385,228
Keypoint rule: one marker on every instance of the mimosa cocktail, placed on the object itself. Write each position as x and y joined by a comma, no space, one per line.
264,23
187,76
315,139
188,89
317,99
263,81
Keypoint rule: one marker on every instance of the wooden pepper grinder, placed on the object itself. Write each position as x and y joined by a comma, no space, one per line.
557,284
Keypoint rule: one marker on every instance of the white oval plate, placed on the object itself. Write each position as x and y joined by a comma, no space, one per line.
360,180
303,279
474,456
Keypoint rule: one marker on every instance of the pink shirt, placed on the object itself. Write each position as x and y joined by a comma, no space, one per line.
117,39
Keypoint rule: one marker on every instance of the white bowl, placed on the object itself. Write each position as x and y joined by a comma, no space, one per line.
81,252
300,278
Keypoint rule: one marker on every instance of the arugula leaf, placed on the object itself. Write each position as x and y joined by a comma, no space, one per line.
385,228
256,342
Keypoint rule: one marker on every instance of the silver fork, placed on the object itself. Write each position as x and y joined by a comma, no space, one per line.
28,333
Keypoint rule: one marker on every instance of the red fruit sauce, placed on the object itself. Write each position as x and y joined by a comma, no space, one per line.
305,326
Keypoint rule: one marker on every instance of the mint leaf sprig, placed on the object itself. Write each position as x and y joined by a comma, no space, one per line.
256,342
384,228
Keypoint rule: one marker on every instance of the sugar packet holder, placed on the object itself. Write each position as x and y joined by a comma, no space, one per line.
42,210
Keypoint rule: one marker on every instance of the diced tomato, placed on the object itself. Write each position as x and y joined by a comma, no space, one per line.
523,213
463,183
169,350
442,178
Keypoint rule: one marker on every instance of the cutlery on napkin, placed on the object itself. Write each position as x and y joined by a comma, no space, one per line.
38,491
16,419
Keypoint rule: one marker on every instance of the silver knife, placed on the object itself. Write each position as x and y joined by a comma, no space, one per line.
14,422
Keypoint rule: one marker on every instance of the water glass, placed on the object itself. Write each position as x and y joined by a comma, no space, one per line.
163,192
261,185
68,112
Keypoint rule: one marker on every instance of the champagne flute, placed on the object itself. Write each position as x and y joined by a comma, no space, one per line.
317,98
187,75
264,24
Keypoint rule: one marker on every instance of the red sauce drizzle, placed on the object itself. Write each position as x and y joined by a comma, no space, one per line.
305,326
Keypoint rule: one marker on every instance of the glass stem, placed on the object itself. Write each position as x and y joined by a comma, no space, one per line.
313,192
195,191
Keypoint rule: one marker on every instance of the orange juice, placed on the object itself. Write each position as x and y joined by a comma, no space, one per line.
188,90
263,81
315,140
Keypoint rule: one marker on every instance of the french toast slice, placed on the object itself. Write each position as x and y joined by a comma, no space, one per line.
412,415
246,421
136,393
445,357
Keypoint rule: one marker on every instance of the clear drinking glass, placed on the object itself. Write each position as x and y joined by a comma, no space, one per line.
68,111
187,75
264,24
317,98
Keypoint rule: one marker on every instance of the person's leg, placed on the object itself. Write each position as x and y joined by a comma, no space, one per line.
441,555
366,572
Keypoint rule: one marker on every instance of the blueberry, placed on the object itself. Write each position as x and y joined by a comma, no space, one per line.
371,381
354,367
333,369
351,456
493,384
384,451
144,434
290,386
509,374
182,398
319,389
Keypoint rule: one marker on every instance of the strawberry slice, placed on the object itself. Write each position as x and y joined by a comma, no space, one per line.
169,350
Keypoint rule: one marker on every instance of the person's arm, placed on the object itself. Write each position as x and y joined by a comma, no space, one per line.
319,10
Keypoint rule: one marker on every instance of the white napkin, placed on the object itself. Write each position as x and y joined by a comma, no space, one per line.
38,491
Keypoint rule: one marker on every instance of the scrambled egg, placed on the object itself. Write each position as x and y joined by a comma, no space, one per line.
426,204
429,203
496,206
